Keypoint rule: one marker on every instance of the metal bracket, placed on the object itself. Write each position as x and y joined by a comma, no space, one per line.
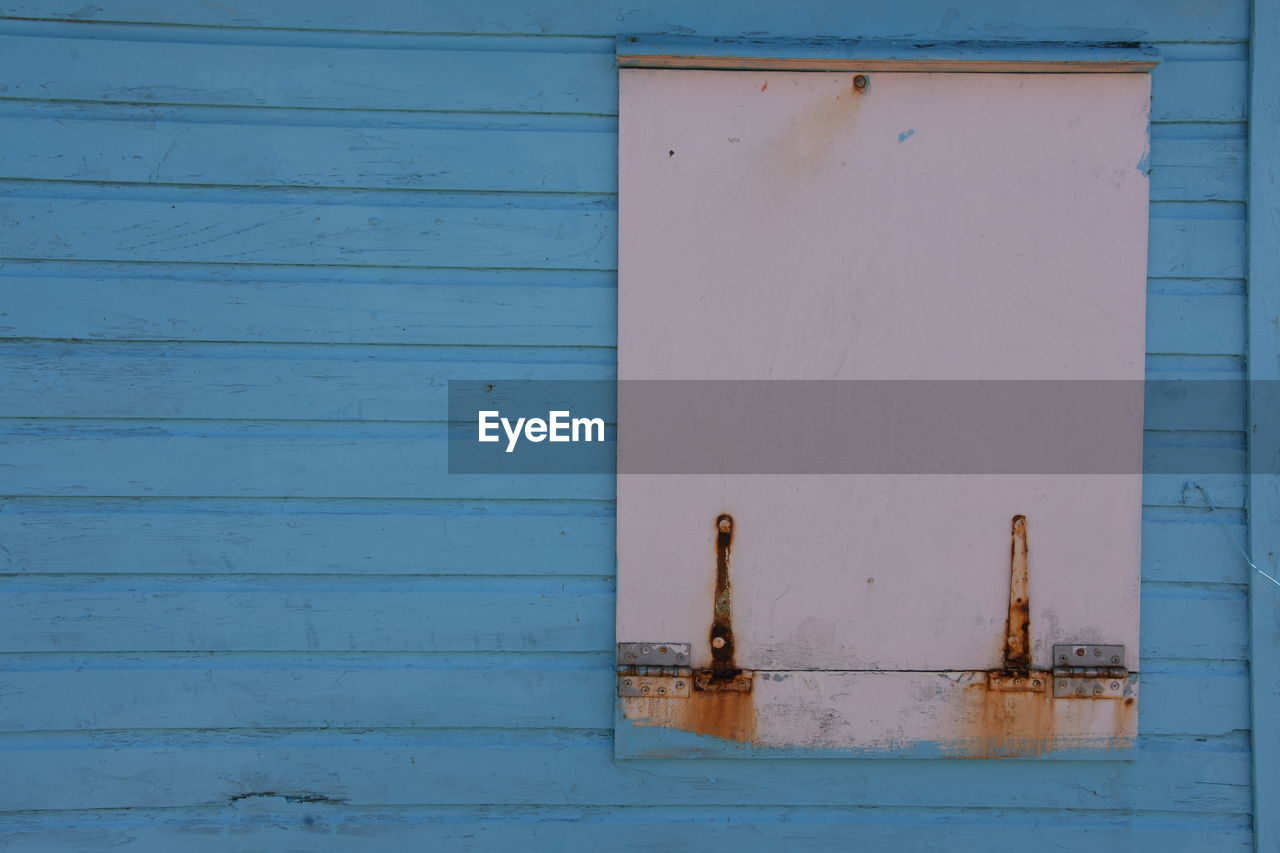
1090,672
654,654
664,686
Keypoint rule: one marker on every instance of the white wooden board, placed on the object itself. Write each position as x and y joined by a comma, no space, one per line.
787,225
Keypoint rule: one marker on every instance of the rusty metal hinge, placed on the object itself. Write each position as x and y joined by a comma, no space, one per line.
1090,672
661,671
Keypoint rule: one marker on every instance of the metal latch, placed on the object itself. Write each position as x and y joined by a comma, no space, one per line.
1089,672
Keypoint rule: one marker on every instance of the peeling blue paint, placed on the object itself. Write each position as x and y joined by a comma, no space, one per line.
902,137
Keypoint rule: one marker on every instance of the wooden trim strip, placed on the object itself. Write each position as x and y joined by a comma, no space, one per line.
672,52
1263,427
968,66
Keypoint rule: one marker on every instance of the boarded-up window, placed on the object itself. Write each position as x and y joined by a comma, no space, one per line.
931,254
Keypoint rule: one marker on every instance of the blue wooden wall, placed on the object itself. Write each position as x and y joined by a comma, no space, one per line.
244,607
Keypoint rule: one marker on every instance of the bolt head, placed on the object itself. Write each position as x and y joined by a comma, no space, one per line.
1115,658
1115,685
860,81
644,650
679,685
662,650
662,691
1097,652
1035,683
1079,652
626,683
644,689
718,642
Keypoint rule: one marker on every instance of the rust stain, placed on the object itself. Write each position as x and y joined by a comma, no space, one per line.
765,86
1010,724
722,703
1012,712
731,716
1015,707
722,646
1017,653
819,132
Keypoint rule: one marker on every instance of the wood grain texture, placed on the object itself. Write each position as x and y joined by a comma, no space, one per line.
313,227
1264,431
270,128
1094,20
474,767
227,690
447,151
342,614
276,823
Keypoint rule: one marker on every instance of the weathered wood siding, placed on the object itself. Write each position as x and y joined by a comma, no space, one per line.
243,608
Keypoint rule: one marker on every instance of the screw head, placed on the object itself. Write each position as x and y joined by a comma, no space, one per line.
679,685
1079,691
1097,652
662,691
644,650
1115,658
718,642
1062,658
1079,652
860,82
1097,691
662,650
1062,684
1115,685
644,689
680,656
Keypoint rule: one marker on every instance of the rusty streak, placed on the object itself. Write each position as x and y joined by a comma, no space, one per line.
1017,650
722,666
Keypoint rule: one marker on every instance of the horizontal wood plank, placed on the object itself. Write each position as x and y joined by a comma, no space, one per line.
436,73
1203,240
356,459
374,306
303,614
145,536
387,768
330,829
1089,21
135,302
222,691
165,536
300,148
374,690
319,227
355,383
215,146
245,459
296,70
345,613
